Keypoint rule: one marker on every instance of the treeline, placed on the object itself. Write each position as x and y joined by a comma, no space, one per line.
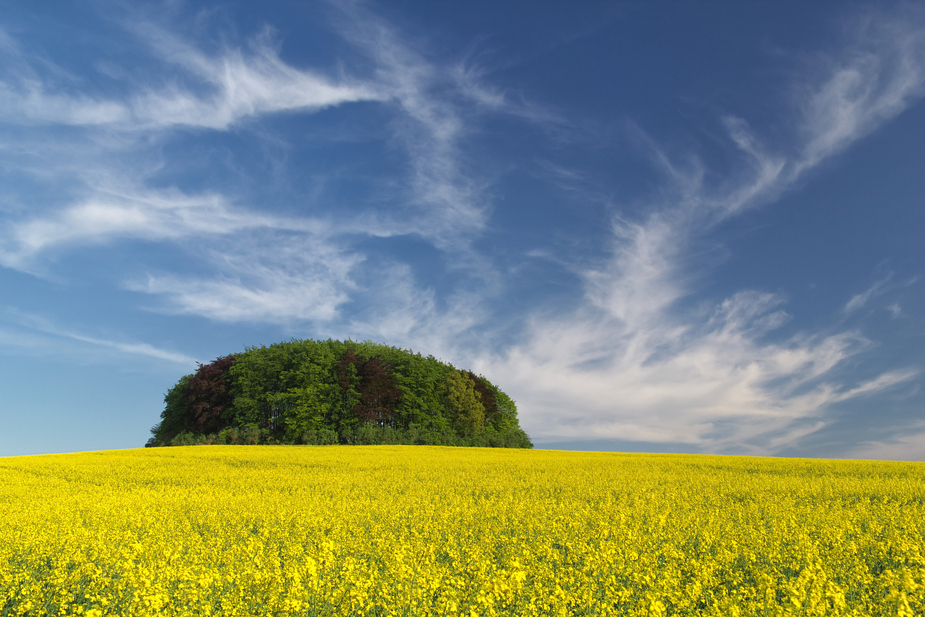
334,392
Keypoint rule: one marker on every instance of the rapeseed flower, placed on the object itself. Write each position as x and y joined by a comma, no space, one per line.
405,530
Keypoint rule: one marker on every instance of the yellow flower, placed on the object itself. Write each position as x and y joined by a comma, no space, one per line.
228,530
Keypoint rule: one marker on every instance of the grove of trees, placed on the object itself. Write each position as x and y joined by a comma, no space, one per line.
329,392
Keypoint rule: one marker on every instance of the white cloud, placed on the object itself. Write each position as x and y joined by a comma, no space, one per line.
48,341
132,214
278,298
907,445
715,384
29,101
471,81
33,96
261,268
232,85
399,311
243,84
878,76
142,349
449,206
858,301
277,278
441,202
632,364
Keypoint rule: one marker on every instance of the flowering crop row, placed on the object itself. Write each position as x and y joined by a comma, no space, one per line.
414,530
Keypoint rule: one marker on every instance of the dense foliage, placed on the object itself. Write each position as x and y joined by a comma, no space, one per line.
327,392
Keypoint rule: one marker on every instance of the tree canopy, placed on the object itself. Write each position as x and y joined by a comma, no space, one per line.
327,392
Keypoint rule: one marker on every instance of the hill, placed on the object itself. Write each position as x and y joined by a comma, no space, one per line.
327,392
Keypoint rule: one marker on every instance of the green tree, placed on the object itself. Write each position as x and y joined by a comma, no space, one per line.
175,418
463,404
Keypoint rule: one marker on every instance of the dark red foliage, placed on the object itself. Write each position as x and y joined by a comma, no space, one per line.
343,375
377,392
487,397
209,395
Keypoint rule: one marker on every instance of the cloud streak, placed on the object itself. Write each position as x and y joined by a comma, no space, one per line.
34,323
882,73
281,278
906,446
139,214
860,300
229,87
448,206
243,84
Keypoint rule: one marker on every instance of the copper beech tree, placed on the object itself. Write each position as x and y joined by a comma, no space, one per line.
210,394
371,379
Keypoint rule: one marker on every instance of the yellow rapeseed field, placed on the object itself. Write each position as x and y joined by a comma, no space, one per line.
405,530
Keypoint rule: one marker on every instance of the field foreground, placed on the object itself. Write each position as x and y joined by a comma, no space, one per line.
414,530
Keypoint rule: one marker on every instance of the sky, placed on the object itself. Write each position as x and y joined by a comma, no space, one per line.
658,226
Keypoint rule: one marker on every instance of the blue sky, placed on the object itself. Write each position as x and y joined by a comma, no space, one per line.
684,227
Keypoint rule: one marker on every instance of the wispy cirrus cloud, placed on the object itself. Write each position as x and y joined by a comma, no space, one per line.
439,200
399,310
132,213
33,90
142,349
243,83
907,444
40,334
859,300
30,100
631,364
228,86
448,205
879,74
275,277
251,265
